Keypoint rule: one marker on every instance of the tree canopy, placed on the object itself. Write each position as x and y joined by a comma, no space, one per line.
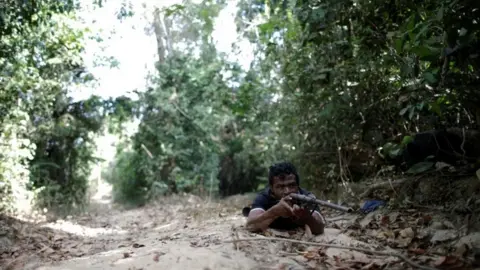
330,83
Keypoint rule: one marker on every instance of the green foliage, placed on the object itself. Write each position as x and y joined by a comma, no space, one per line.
64,154
38,52
46,139
197,132
174,147
122,175
352,70
331,82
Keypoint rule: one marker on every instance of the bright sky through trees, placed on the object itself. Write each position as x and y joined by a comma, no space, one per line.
135,50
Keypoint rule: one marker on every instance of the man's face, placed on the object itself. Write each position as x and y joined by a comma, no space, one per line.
284,185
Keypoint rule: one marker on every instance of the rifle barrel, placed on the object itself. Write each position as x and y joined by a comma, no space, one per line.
307,199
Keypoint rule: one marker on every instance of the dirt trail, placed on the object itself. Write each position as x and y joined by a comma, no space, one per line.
173,236
187,232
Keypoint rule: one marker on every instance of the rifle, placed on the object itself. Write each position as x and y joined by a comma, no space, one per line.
308,203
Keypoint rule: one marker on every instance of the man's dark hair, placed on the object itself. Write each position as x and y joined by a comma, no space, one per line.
282,169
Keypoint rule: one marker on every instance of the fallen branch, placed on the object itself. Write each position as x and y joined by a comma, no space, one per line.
383,253
385,184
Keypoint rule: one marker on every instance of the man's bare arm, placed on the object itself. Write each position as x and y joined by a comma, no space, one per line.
259,219
316,222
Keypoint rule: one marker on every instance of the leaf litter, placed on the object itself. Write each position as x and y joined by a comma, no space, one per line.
182,234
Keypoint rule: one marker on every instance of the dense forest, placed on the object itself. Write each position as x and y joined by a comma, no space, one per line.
347,90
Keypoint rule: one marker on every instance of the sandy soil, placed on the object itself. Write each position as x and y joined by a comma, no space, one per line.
187,232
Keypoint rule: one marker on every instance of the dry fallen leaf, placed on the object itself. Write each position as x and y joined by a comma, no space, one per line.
450,262
387,234
312,264
427,218
384,221
311,254
55,257
403,242
393,216
421,234
407,233
448,224
367,219
461,250
443,235
437,225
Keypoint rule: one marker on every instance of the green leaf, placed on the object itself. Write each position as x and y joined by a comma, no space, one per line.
435,107
399,44
54,61
422,31
423,51
412,112
395,153
420,167
440,14
430,77
411,22
174,9
266,28
404,110
318,14
407,139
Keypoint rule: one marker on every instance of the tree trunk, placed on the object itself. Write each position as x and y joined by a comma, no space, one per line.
477,116
159,34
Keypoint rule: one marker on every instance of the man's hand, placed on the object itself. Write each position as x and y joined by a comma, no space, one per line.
301,214
283,208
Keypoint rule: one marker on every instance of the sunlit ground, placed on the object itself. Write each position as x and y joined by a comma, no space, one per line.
77,229
103,194
101,197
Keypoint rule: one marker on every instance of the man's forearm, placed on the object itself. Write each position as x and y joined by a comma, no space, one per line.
316,223
262,221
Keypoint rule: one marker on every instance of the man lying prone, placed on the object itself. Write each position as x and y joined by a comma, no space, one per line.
273,208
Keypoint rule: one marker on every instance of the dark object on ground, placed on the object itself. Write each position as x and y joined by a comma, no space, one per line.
449,145
371,206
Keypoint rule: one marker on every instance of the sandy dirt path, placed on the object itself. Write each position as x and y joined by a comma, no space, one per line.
187,232
183,234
